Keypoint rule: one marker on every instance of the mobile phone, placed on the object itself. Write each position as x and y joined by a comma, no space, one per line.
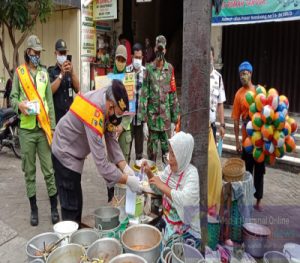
69,57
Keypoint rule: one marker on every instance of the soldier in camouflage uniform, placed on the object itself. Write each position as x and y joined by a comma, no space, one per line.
159,105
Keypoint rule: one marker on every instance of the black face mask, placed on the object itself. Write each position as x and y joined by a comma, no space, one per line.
114,120
160,55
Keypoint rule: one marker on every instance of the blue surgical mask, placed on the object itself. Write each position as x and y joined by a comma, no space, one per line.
34,59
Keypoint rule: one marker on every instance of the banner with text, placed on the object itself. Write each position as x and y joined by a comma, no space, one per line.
105,9
88,34
256,11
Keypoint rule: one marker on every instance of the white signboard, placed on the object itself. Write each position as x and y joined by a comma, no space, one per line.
88,34
105,10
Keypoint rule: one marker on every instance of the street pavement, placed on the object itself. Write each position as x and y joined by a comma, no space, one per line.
281,202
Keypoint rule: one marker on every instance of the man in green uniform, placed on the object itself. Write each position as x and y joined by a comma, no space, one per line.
35,131
159,105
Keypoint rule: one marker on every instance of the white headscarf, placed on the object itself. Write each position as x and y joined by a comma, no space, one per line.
182,145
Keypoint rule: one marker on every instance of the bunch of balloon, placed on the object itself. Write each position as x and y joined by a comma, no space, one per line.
270,129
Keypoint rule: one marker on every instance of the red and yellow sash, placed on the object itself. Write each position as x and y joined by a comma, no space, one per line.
89,113
32,94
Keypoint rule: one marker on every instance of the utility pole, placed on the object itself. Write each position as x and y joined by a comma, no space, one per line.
195,91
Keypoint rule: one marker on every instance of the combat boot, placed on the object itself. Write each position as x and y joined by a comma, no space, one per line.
34,216
54,212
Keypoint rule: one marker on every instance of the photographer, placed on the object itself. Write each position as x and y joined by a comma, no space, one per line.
63,80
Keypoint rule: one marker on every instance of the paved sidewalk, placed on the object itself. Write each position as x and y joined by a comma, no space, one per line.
281,200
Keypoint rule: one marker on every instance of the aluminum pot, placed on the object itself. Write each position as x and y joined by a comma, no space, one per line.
38,260
182,253
275,257
107,217
67,254
142,240
128,258
84,237
38,242
164,253
255,237
105,249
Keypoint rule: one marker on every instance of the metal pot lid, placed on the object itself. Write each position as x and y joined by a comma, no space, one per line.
256,229
293,249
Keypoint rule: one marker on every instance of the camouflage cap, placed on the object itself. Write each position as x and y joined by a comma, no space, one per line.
161,41
34,43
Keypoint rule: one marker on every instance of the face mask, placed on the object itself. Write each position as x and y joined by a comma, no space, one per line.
120,65
137,63
160,55
61,59
34,59
115,120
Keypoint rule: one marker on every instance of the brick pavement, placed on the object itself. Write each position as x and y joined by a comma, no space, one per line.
281,198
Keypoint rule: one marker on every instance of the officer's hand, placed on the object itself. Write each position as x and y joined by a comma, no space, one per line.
67,66
119,130
134,184
23,107
222,132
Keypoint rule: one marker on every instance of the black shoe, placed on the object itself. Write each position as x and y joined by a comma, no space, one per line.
34,218
54,216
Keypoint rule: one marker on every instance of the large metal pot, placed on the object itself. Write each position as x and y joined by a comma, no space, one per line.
255,237
107,217
142,240
128,258
182,253
38,241
70,253
105,249
84,237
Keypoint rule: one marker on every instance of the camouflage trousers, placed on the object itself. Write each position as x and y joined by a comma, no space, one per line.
153,140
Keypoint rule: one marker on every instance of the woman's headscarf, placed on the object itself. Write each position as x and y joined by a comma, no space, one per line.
182,145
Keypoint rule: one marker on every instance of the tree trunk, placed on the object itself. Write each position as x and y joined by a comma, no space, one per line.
2,47
195,91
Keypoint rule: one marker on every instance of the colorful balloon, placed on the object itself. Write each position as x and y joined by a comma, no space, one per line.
280,151
257,121
261,90
247,144
252,110
258,155
250,96
257,139
273,101
282,108
293,123
272,92
260,101
249,128
270,159
267,132
285,100
286,129
278,138
269,148
279,120
290,144
267,114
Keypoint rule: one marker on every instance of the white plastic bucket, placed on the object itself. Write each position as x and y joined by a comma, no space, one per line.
65,229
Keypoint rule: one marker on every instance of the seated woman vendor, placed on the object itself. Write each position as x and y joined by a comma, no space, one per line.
179,187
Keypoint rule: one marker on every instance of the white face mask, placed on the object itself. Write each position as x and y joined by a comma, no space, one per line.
61,59
137,63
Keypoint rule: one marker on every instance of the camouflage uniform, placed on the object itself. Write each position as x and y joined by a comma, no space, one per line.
159,106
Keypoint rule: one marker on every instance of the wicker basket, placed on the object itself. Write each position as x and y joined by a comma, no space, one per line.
233,170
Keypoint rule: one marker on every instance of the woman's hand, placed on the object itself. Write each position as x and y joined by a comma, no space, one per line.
155,180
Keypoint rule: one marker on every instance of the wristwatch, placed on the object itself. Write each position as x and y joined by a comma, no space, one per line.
223,125
60,76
